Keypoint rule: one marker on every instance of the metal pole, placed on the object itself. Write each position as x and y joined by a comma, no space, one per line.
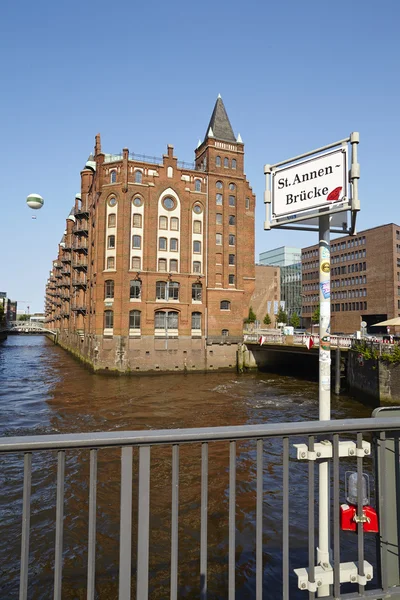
324,388
337,369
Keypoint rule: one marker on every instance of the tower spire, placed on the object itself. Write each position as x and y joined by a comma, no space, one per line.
219,123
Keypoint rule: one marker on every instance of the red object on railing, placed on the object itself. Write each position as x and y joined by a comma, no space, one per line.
348,518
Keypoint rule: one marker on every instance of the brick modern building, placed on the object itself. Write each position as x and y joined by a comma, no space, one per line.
155,270
365,279
266,295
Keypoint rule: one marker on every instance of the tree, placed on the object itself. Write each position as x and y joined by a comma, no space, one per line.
23,317
295,320
2,316
315,315
281,317
252,316
267,320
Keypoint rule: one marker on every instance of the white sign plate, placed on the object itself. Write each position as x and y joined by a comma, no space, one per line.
315,183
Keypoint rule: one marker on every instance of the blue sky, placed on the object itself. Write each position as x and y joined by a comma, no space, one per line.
293,76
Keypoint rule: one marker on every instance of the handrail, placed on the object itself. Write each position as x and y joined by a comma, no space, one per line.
202,434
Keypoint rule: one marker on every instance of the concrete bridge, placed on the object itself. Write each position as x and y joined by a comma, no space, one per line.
28,327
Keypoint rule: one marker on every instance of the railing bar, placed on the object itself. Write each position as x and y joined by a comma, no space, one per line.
383,512
125,529
259,521
311,519
26,515
92,526
285,519
174,522
360,507
203,521
336,517
232,519
59,524
142,588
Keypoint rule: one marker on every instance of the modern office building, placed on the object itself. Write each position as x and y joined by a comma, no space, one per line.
266,295
289,260
365,279
8,308
155,270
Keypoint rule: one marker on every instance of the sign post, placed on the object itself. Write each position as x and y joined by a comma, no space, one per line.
311,192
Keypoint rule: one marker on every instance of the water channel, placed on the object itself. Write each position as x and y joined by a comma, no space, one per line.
44,390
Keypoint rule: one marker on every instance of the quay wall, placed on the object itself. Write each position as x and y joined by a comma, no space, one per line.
374,379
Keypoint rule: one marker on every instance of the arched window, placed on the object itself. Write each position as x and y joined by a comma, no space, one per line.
197,289
161,290
163,223
233,163
134,319
226,163
232,186
166,320
136,263
162,264
113,176
225,332
197,185
219,185
196,266
135,288
173,290
196,320
137,220
173,265
112,220
138,176
174,224
173,245
225,305
217,161
110,262
136,241
196,247
196,226
109,288
108,319
111,241
162,243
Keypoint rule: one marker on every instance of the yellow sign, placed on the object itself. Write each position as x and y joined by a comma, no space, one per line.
325,267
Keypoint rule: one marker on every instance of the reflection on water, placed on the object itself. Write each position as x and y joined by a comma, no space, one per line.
44,390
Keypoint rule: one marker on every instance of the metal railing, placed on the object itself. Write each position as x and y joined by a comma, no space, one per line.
298,339
258,462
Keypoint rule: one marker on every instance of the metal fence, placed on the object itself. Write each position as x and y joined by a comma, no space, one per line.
252,452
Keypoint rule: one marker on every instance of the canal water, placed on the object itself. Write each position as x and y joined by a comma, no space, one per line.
45,390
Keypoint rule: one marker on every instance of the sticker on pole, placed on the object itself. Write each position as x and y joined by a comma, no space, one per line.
316,183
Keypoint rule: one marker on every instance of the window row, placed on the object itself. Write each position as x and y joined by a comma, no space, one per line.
349,306
218,162
136,264
349,281
163,319
138,176
218,239
360,241
219,199
165,290
219,185
219,221
349,294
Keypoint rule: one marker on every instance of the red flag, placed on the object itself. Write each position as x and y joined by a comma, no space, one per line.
262,340
309,342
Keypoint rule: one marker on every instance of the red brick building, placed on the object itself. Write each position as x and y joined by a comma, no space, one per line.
365,279
155,270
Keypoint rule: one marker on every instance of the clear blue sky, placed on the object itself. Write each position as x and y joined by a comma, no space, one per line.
293,76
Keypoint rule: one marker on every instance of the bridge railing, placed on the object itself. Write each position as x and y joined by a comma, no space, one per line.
188,489
343,341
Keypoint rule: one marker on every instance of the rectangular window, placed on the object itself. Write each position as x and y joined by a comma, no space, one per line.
231,259
218,218
137,220
173,290
196,247
196,226
231,279
110,262
196,266
174,223
108,319
135,289
136,263
218,239
163,223
232,201
162,264
196,320
219,199
112,220
196,291
247,203
231,240
232,220
134,319
173,245
136,241
162,243
173,265
111,242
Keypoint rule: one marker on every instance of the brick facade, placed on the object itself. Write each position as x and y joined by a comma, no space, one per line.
172,242
365,279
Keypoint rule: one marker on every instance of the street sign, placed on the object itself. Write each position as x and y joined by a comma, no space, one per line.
317,183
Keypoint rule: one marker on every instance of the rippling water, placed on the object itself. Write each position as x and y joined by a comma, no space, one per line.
44,390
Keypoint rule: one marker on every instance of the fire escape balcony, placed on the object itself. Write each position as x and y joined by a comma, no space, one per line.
80,265
81,228
66,259
78,308
82,212
78,282
81,247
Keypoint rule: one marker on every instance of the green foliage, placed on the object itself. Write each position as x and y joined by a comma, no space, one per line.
2,316
367,351
295,320
392,357
315,315
23,317
281,317
267,320
252,316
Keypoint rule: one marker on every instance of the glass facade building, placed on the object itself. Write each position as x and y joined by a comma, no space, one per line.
288,259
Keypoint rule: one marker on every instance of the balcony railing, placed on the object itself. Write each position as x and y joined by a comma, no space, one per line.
214,472
81,264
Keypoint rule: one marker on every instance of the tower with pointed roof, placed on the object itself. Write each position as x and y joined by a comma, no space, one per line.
158,255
